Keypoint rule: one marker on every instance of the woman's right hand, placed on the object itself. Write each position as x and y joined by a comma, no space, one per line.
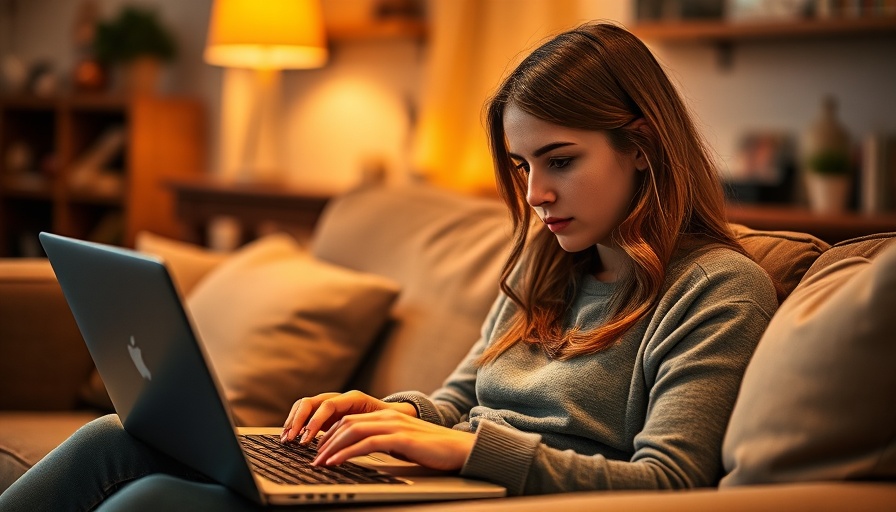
310,415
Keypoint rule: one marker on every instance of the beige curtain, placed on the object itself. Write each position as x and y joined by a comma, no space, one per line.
472,44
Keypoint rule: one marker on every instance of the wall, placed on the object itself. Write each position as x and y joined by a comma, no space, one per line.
336,122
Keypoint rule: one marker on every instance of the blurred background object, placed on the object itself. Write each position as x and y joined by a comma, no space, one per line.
827,160
266,37
89,75
137,43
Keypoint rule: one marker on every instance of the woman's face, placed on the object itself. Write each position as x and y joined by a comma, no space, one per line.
579,186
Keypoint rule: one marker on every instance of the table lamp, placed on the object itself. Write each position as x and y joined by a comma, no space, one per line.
266,36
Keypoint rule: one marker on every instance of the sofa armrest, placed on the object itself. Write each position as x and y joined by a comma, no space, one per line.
43,359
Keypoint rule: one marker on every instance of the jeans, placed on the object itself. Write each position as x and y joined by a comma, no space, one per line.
103,467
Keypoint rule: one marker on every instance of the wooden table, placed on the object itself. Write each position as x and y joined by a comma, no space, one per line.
831,228
257,207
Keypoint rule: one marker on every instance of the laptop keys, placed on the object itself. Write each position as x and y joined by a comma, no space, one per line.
291,463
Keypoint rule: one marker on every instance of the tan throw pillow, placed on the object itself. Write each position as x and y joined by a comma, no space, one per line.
279,325
816,402
188,263
785,255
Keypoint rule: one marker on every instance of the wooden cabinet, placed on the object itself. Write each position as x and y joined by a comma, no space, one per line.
94,167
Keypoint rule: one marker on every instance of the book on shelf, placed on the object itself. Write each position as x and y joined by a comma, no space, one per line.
91,172
877,177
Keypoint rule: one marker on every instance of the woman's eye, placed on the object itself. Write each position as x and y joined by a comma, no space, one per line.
559,162
523,167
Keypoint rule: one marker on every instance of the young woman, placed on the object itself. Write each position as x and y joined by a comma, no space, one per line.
628,313
613,357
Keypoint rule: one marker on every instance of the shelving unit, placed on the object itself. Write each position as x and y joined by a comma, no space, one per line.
46,183
725,35
720,31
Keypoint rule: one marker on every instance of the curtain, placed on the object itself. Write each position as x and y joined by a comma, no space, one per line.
472,45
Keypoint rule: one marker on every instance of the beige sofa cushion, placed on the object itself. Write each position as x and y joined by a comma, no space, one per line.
785,255
49,360
816,402
278,325
188,263
864,247
446,251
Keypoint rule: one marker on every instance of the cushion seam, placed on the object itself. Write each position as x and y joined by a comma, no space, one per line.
17,457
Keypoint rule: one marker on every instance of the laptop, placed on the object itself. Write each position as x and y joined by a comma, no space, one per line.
157,374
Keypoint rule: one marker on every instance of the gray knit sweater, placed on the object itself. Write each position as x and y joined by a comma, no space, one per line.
648,413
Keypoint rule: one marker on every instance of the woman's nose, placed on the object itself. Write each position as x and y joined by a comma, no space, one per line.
539,192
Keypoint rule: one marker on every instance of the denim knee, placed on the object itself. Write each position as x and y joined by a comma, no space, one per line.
165,492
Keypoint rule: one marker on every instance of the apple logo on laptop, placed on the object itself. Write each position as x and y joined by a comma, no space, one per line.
137,357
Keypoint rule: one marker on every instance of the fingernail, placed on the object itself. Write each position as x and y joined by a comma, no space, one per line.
305,436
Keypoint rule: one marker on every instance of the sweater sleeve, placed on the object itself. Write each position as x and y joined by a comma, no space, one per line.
450,405
694,353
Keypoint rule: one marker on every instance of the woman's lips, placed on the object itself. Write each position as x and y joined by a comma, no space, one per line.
556,224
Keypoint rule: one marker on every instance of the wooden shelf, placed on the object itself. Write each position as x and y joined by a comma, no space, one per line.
164,138
830,228
255,206
89,102
729,32
378,30
26,187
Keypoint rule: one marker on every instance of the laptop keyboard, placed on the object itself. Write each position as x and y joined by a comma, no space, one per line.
290,463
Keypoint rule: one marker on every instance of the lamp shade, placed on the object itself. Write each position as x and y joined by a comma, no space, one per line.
267,34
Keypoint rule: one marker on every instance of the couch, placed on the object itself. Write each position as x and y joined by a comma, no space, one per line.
417,267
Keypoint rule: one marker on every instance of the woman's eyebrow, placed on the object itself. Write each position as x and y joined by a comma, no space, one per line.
542,150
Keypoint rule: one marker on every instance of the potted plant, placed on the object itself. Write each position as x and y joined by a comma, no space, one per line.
137,40
827,163
829,180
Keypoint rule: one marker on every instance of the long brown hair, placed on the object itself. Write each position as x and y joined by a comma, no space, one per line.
600,77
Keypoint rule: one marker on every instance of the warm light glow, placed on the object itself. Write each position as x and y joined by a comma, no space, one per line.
273,34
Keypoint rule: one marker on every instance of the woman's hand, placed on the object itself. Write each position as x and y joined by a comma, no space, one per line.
311,415
398,434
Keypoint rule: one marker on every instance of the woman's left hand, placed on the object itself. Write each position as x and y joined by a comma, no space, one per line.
400,435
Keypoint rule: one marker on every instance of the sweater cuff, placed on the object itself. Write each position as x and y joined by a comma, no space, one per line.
426,410
501,455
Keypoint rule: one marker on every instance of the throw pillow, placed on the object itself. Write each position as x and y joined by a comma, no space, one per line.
785,255
865,246
188,263
278,325
816,402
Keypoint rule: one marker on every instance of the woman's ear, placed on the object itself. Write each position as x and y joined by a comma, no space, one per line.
641,162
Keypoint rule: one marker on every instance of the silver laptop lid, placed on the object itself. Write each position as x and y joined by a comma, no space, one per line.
144,347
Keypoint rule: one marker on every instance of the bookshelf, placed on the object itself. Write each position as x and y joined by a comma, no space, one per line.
93,167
